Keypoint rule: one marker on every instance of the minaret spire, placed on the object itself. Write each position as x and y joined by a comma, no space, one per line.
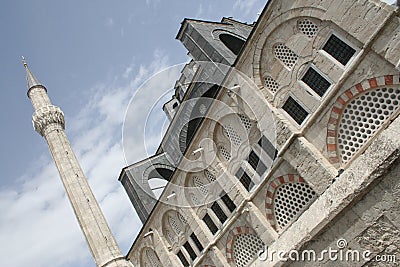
48,121
30,78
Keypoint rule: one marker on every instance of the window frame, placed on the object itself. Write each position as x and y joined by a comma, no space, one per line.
287,115
343,39
310,90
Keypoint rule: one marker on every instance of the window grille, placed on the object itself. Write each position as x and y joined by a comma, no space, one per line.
285,55
210,224
195,199
170,236
228,202
182,218
246,248
246,122
290,199
190,250
225,153
182,258
200,185
271,84
196,241
316,82
295,110
363,116
338,49
152,258
308,28
232,135
210,176
256,163
219,212
174,225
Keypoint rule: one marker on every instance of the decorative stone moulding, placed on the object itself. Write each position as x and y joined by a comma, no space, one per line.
45,116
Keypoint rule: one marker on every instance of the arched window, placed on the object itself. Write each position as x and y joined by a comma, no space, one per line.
363,116
271,84
285,55
233,43
233,136
290,199
307,27
245,248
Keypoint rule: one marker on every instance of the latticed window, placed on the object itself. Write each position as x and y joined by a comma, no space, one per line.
170,236
195,199
246,248
200,185
246,122
268,147
175,225
271,84
308,27
225,153
231,133
290,199
152,259
338,49
211,177
182,218
285,55
363,116
295,110
316,81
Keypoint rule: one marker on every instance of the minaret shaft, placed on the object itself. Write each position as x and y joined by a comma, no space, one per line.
48,121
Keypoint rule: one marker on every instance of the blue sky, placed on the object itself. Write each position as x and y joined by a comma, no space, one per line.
92,56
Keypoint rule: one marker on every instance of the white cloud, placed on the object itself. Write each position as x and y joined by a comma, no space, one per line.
38,226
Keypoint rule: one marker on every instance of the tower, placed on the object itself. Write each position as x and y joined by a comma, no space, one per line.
48,121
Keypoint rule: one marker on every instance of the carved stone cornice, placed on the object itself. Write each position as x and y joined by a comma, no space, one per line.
45,116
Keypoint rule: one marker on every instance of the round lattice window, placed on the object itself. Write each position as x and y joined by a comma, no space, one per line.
225,153
211,177
246,248
271,84
308,27
200,185
232,135
246,122
285,55
290,199
363,116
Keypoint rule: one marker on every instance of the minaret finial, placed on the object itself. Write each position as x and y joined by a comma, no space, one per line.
24,61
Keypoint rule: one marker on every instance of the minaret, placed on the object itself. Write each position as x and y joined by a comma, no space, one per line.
48,121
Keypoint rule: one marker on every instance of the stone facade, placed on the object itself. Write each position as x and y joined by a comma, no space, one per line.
304,147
